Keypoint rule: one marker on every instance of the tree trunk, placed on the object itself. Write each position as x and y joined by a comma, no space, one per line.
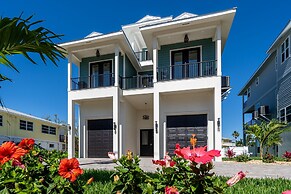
261,151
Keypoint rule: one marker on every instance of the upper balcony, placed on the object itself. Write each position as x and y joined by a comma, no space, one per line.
187,71
94,81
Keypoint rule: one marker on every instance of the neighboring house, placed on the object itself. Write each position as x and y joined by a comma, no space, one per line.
267,94
15,126
227,142
149,86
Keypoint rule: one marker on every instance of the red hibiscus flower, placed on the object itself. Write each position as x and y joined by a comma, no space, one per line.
287,192
26,144
171,190
9,150
233,180
69,169
198,155
167,161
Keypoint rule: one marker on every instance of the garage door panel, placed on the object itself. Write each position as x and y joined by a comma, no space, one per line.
100,138
180,129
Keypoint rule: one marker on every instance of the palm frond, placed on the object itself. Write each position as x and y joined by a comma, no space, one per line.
21,36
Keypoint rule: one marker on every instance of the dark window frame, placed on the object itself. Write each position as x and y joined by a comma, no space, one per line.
48,129
1,120
26,125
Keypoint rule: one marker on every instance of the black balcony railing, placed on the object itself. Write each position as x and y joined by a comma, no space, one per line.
187,70
94,81
142,55
134,82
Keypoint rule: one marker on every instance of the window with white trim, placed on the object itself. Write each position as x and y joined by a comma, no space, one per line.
285,49
282,115
51,145
26,125
48,129
1,120
288,114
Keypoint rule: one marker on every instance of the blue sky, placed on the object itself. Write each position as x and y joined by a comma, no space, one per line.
41,90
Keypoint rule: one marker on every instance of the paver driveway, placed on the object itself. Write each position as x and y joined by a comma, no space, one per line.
221,168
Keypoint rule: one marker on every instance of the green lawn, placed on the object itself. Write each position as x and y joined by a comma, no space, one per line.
103,184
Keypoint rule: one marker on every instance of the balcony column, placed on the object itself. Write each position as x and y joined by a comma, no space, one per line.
157,125
217,118
116,66
71,129
69,71
155,59
218,50
116,109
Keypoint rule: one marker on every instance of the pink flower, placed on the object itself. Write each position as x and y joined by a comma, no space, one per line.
112,156
167,161
198,155
232,181
171,190
287,192
17,163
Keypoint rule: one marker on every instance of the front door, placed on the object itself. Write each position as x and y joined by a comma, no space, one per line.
185,63
147,142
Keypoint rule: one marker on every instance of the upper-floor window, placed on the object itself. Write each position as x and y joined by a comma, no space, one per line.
26,125
1,120
282,115
249,92
48,129
285,49
257,81
288,114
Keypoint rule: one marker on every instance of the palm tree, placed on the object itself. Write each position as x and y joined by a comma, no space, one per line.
267,134
18,37
235,134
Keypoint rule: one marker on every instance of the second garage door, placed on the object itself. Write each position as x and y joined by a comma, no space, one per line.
181,127
100,138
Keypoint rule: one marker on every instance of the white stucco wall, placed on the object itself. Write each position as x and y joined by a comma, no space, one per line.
129,126
97,109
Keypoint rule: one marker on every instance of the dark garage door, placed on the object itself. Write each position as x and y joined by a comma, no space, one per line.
180,129
100,138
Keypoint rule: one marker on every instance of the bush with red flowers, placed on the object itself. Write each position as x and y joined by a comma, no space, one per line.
25,168
287,156
188,171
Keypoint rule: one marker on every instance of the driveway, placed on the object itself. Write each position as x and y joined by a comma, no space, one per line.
254,170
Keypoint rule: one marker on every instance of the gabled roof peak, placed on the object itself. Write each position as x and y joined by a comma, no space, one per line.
185,15
92,34
148,18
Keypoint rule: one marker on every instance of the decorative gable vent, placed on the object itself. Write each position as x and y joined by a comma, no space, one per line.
148,18
93,34
185,15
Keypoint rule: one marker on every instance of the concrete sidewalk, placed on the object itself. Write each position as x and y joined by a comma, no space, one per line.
220,168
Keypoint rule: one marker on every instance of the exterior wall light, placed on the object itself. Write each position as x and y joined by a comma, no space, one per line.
97,53
218,124
114,127
69,127
186,38
156,126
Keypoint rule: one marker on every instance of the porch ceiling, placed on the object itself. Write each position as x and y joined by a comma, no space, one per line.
138,101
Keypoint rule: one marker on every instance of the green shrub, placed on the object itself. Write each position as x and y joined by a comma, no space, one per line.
242,158
268,158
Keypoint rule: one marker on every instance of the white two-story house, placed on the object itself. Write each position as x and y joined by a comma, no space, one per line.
148,86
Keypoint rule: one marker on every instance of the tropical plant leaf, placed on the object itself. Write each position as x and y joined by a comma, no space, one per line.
21,36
